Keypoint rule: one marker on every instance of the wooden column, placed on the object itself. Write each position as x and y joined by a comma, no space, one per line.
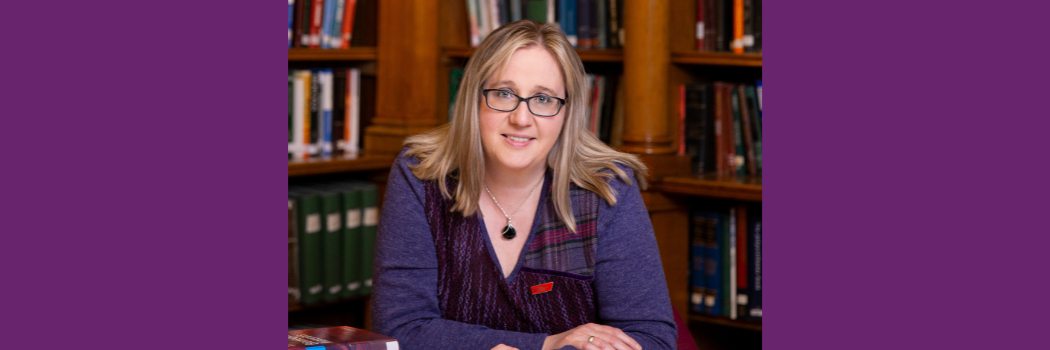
646,59
407,74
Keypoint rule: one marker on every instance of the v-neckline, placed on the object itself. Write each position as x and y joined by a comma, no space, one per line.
509,279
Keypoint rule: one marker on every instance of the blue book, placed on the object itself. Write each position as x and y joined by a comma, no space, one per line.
754,265
567,16
328,83
713,265
326,23
336,38
291,10
697,248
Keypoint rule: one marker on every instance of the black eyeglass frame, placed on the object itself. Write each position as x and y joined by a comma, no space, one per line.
485,93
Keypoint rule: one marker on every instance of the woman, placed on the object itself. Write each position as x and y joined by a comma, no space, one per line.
513,227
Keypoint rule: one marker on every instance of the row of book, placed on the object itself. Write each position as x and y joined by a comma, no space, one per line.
604,104
729,25
721,127
322,24
324,112
331,241
725,272
588,24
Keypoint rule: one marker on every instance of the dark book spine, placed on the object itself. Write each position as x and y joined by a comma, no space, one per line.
294,293
608,107
364,27
755,265
745,122
713,264
719,29
741,262
504,11
601,24
315,113
749,26
709,24
536,10
369,225
614,24
291,113
756,127
332,245
738,138
352,283
696,126
339,109
583,23
316,17
302,27
310,248
697,276
757,14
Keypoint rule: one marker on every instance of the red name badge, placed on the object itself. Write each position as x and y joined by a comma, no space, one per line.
542,288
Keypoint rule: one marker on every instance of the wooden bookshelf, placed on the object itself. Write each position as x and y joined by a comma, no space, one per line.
725,321
351,54
339,164
747,189
585,55
718,59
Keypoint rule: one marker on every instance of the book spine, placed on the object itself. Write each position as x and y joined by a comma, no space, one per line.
709,25
552,9
738,26
369,224
331,246
756,127
714,264
567,15
294,294
504,11
748,38
315,23
494,20
336,42
745,122
756,267
727,132
352,242
583,24
310,250
738,139
757,14
614,25
730,277
348,23
300,110
695,126
700,25
354,123
291,114
696,259
472,18
515,10
719,24
339,109
291,21
326,23
719,130
304,8
308,116
602,24
741,262
326,145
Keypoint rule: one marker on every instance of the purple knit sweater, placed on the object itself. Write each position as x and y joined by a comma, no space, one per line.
612,262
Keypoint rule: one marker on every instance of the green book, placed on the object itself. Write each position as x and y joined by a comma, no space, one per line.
369,225
455,76
756,130
738,135
294,294
309,227
350,197
331,243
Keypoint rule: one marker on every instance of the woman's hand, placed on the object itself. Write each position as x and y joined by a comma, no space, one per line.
604,338
504,347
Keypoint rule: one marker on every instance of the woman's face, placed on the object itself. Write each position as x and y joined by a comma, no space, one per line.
520,140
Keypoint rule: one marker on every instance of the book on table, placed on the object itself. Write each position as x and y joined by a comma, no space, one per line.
342,337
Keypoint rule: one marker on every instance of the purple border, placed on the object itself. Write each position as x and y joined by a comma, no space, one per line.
146,186
903,155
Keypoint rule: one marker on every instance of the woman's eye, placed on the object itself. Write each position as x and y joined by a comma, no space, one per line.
543,99
503,94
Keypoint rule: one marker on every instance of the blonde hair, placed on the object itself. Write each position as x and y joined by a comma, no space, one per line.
455,149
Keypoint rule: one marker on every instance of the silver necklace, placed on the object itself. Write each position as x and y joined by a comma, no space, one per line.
508,231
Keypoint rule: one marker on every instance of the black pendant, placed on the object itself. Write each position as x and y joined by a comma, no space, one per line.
509,232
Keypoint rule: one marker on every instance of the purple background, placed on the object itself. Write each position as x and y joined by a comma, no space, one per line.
145,176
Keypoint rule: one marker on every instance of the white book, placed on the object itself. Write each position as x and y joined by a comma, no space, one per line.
353,122
327,88
299,113
483,19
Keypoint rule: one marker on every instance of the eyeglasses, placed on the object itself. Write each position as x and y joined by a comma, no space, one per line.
506,101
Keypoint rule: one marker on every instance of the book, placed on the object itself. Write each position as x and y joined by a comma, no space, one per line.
303,19
742,290
616,132
327,83
601,25
614,24
740,161
713,264
353,127
316,20
314,118
342,337
291,21
348,23
567,18
738,26
515,10
350,196
755,263
748,137
331,243
336,40
473,20
504,11
309,229
729,270
327,18
583,24
291,113
696,126
369,225
294,294
697,276
700,30
748,39
536,10
756,126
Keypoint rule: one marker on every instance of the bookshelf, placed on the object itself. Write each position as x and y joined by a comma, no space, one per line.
416,43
